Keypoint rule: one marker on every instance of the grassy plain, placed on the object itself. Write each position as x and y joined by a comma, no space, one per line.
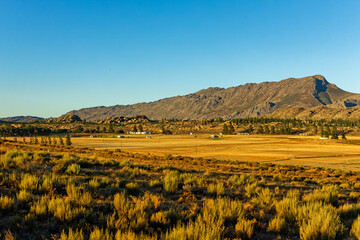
294,150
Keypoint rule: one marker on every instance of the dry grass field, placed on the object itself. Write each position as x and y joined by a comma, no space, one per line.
295,150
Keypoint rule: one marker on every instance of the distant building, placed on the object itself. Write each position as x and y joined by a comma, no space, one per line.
139,133
243,133
304,134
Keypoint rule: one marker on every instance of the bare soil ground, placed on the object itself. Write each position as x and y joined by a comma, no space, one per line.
295,150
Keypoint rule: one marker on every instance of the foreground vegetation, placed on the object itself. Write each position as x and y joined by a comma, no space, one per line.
61,192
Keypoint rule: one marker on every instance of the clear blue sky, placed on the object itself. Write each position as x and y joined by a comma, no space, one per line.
60,55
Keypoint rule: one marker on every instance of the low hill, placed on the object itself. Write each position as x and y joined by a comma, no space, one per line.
21,119
67,118
249,100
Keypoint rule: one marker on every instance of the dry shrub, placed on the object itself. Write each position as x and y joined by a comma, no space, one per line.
287,208
319,221
63,211
130,235
73,169
24,196
198,229
216,189
6,203
241,180
29,182
72,235
327,194
245,228
355,228
39,207
100,234
171,181
223,210
277,225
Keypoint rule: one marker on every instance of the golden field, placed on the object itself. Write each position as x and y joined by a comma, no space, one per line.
294,150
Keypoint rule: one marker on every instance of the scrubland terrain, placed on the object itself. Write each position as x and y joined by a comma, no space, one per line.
49,191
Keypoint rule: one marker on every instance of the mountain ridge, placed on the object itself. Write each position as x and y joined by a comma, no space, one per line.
248,100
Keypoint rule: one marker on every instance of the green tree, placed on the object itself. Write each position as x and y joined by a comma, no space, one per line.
260,130
134,128
61,141
225,129
68,140
140,127
334,133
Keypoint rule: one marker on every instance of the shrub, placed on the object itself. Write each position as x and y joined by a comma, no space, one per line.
75,194
155,183
160,218
217,189
277,225
39,207
171,181
244,228
14,158
251,189
223,209
6,203
240,180
63,211
24,196
264,198
355,228
327,194
50,182
130,235
29,182
73,169
100,234
319,221
72,235
94,184
198,229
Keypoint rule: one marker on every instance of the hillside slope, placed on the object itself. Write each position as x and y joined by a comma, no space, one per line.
249,100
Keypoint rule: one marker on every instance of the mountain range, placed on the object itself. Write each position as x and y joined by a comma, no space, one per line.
249,100
311,97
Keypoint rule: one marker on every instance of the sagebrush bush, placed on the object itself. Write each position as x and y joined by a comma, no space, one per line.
319,221
241,180
244,228
198,229
6,203
216,189
101,234
73,169
50,182
171,181
39,207
24,196
327,194
277,225
222,209
355,228
29,182
14,158
72,235
287,208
